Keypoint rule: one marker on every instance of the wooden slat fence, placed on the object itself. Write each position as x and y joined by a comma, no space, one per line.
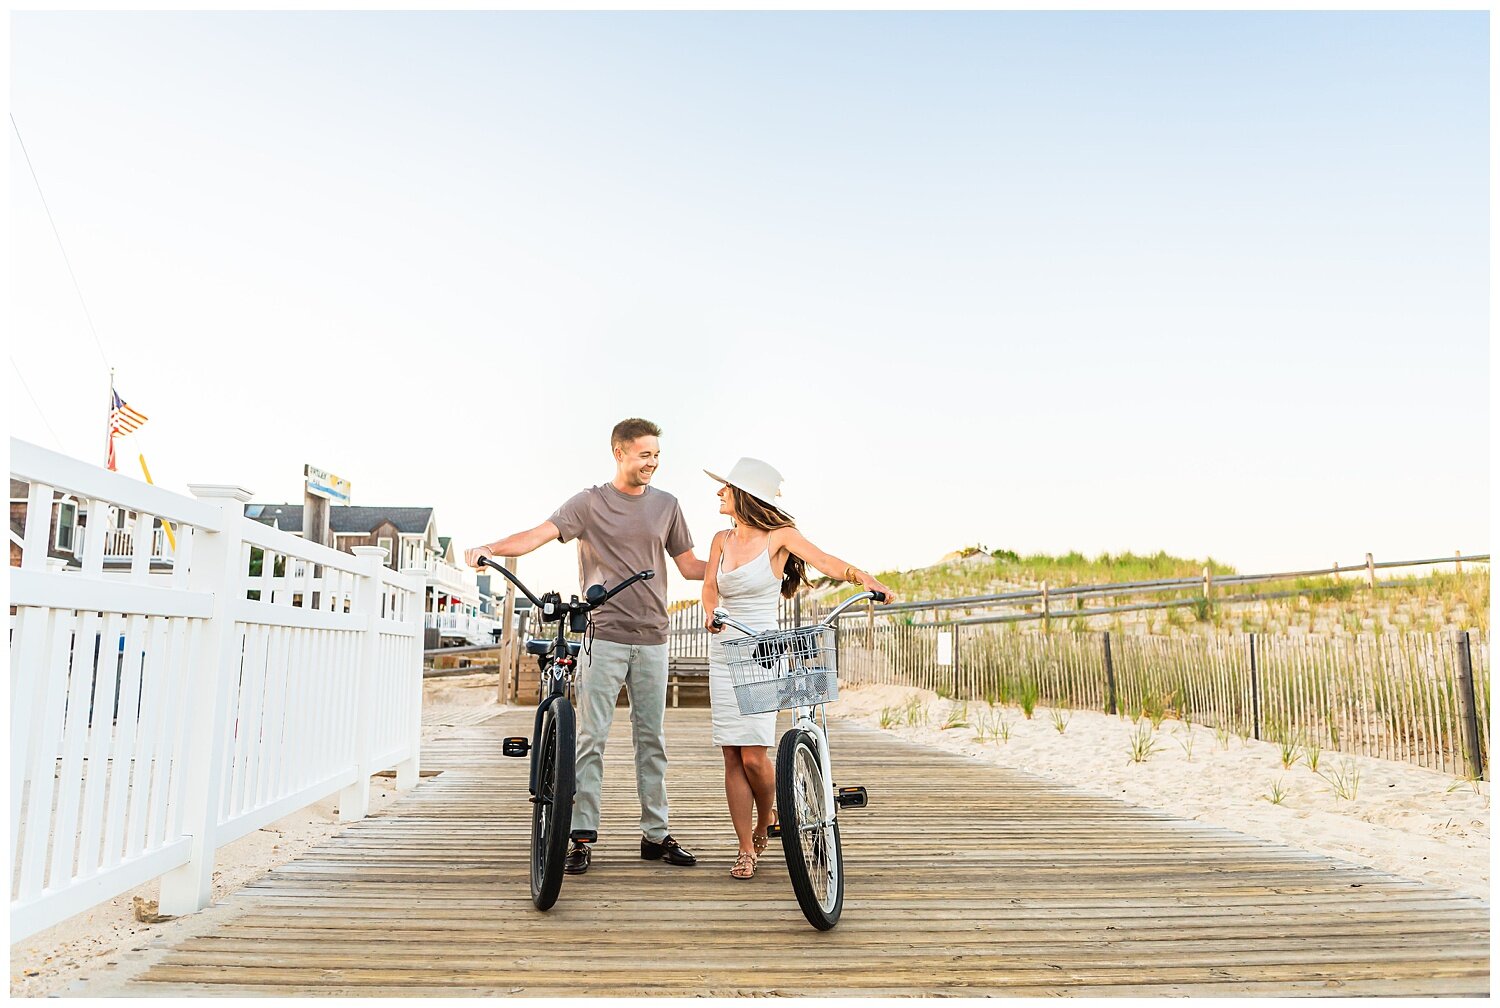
1393,696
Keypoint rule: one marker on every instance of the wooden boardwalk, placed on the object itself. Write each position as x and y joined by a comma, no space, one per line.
964,879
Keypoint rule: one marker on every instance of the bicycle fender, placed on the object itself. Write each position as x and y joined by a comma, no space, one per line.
536,736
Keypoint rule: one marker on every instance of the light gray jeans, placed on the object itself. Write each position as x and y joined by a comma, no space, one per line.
642,669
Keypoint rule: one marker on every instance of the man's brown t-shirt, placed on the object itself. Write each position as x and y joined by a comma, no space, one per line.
619,534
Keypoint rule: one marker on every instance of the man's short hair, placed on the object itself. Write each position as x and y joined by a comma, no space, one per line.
627,431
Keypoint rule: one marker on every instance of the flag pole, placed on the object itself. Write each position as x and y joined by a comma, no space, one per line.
166,525
109,424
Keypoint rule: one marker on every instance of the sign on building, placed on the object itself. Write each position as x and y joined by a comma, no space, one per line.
326,484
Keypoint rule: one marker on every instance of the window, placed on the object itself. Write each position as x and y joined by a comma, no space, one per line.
384,542
67,523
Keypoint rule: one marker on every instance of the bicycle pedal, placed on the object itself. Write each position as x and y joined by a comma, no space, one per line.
518,745
853,797
773,830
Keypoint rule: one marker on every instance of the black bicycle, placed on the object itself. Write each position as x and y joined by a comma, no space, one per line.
551,744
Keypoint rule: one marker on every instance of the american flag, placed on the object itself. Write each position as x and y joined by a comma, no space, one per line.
123,419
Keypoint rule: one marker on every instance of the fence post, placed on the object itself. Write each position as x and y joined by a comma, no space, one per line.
409,770
507,632
1370,568
1046,609
1468,707
216,570
1254,691
1110,702
1458,564
354,800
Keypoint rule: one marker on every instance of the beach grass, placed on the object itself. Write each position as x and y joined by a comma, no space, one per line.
1344,779
1143,743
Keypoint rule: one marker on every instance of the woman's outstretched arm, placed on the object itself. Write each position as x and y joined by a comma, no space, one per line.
792,539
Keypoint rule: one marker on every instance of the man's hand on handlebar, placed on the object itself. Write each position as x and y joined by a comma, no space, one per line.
474,556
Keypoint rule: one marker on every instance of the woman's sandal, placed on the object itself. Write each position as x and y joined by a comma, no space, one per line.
744,866
760,840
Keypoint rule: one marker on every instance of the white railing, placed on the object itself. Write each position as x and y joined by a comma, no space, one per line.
475,629
119,543
156,718
461,579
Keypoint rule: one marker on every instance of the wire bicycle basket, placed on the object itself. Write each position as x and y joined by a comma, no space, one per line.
780,669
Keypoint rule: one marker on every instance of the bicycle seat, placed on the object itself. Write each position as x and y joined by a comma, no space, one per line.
540,646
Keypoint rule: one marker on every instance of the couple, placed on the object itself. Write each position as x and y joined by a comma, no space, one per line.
627,525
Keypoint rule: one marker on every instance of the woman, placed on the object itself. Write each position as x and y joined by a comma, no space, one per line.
761,556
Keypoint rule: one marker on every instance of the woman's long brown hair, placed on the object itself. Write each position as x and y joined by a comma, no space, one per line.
752,513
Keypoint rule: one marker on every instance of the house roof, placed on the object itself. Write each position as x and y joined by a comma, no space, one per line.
344,518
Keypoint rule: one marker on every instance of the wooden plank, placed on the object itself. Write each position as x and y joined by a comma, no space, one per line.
1018,886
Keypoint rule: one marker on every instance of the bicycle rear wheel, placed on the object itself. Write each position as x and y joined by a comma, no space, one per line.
552,805
814,855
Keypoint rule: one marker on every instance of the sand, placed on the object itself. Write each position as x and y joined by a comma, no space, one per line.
50,960
1412,822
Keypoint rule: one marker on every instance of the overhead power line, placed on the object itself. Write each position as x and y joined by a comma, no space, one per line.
68,262
40,412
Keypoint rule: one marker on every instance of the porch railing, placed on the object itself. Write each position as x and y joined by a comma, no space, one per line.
476,629
119,543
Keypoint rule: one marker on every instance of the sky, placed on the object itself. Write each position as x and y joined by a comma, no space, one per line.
1209,283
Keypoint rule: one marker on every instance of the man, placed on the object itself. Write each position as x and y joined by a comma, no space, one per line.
623,526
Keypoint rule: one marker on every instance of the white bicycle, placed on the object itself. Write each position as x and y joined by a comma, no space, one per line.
797,670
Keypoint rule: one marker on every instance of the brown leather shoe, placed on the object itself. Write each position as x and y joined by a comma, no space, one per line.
668,850
577,861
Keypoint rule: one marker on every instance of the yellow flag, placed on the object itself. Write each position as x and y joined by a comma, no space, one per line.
166,525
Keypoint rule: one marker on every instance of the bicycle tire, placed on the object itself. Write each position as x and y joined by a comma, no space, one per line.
552,806
814,855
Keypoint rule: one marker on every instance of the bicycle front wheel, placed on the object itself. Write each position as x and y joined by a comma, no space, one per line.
552,805
809,832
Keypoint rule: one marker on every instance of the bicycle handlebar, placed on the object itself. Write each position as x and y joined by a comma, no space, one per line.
583,605
722,618
645,575
873,595
487,562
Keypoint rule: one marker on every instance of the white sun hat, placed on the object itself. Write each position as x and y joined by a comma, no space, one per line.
756,478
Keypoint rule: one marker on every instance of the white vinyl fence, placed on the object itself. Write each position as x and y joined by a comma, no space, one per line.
157,717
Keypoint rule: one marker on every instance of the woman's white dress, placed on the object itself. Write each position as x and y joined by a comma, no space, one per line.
749,593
